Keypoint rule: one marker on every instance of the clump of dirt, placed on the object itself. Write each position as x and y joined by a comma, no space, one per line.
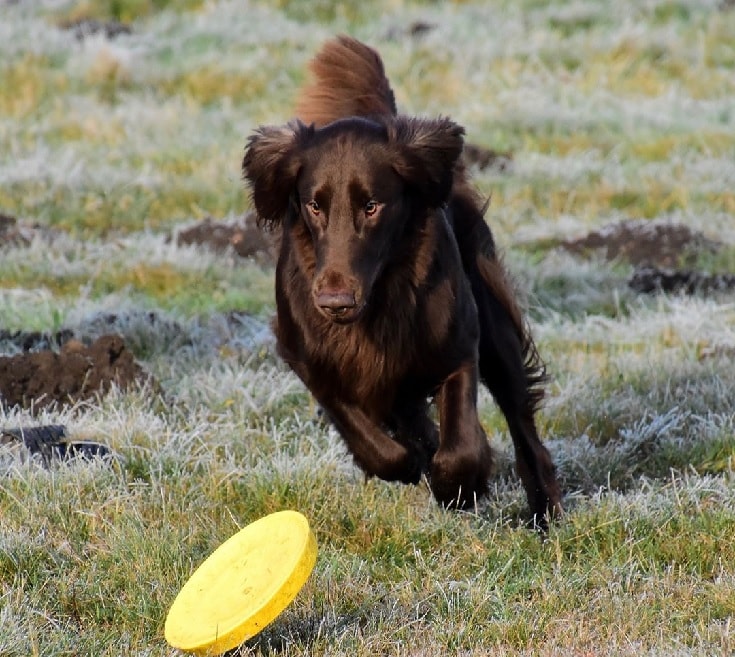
654,279
77,372
242,237
50,444
644,243
415,30
419,28
86,27
487,158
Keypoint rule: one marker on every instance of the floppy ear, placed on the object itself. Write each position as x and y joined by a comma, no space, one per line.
271,166
427,153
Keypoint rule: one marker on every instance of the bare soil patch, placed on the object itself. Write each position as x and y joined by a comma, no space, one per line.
241,237
644,243
487,158
77,372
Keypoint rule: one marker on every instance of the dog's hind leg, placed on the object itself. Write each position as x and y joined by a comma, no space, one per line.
510,368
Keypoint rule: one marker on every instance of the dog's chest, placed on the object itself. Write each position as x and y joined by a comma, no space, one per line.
365,354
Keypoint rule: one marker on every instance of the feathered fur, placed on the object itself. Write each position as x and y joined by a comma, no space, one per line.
349,80
389,287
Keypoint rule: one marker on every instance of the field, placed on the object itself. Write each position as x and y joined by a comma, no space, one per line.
116,135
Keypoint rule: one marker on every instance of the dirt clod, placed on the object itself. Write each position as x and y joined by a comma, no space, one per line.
653,279
419,28
487,158
242,237
50,443
76,372
85,27
644,243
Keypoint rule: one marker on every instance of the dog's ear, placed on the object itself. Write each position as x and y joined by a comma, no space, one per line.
271,165
427,153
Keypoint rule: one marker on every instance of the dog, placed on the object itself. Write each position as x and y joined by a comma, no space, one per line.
390,294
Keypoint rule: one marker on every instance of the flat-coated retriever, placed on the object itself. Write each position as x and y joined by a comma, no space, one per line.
389,291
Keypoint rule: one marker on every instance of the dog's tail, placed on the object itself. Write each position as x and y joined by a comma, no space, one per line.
349,80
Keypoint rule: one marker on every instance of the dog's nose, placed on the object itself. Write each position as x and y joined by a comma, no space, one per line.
336,302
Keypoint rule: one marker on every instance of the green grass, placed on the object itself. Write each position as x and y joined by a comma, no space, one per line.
611,111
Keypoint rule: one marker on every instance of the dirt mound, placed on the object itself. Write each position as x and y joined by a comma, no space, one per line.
642,242
242,237
36,380
653,279
86,27
487,158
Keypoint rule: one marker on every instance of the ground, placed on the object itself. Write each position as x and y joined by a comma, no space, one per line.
602,135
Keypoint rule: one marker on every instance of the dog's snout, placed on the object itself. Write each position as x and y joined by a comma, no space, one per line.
336,302
338,296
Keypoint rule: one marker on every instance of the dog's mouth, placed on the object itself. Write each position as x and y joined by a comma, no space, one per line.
343,314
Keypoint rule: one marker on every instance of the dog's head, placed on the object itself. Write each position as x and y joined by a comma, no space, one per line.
355,184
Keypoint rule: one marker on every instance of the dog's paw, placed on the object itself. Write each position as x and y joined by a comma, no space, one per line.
402,464
414,467
459,480
546,508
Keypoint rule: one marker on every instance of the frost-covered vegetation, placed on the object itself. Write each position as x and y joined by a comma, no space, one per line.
605,111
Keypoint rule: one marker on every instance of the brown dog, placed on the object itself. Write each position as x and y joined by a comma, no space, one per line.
389,292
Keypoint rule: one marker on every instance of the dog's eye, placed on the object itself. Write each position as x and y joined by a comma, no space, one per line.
371,208
313,207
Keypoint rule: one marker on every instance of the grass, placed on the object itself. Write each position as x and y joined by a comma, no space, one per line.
167,283
611,111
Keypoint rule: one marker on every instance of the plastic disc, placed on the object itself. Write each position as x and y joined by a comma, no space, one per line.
243,585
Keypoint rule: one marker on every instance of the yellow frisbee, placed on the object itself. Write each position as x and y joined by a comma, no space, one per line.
243,585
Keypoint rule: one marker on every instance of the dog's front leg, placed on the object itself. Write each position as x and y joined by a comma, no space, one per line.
461,466
373,449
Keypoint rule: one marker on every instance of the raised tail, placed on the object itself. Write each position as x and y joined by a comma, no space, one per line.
349,80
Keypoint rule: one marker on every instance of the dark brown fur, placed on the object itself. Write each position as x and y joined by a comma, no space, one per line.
389,291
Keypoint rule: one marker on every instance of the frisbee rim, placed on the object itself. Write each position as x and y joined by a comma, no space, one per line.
243,626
